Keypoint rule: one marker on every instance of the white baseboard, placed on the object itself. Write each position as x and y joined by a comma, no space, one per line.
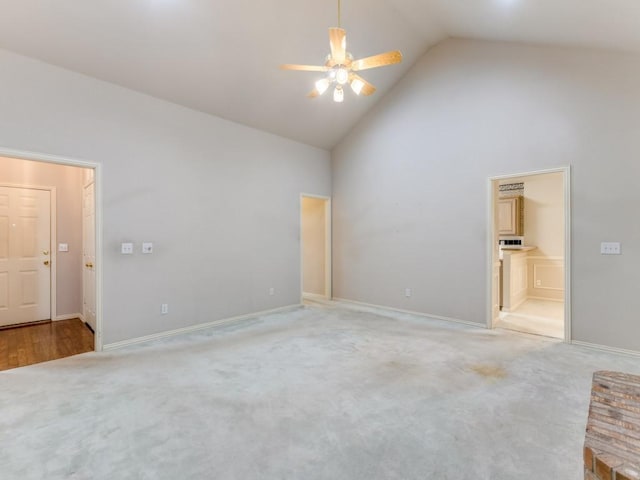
594,346
559,300
194,328
313,296
353,303
604,348
411,312
322,300
68,316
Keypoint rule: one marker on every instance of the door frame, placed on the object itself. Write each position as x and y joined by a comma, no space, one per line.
328,263
84,311
491,233
52,240
97,168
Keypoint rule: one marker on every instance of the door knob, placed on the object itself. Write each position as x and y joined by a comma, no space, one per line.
88,265
46,262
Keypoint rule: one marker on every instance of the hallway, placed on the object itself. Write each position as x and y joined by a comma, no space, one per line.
20,346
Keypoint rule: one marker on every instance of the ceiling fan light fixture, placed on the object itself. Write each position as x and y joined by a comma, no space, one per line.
338,94
340,68
357,85
322,85
342,75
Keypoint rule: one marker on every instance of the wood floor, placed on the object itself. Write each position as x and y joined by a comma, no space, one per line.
39,343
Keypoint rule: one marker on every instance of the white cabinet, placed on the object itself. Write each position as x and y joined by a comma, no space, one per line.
510,216
514,280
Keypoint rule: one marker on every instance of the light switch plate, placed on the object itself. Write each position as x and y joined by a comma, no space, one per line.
610,248
127,248
147,247
63,247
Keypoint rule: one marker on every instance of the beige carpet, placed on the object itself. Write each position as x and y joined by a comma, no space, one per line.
316,393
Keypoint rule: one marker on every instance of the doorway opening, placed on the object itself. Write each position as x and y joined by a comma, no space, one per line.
49,304
529,253
315,239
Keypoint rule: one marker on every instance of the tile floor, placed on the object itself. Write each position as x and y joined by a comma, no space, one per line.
538,317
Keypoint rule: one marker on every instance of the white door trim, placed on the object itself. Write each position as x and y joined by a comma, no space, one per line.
52,240
328,276
566,171
97,168
85,317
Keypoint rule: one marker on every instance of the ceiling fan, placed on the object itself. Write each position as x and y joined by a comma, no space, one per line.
341,68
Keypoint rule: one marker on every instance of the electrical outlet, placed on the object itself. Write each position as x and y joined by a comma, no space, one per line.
272,291
407,292
164,308
610,248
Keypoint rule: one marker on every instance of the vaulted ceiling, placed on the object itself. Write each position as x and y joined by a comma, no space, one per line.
222,56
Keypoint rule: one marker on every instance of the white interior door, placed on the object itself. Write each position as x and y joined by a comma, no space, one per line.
89,255
25,247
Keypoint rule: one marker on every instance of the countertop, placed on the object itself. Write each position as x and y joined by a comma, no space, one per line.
517,248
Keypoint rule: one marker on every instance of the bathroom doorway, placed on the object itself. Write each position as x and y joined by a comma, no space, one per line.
529,252
315,240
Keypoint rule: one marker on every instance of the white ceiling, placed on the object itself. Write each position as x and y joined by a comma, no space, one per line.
222,56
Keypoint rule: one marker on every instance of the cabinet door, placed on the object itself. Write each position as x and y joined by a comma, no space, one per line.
507,216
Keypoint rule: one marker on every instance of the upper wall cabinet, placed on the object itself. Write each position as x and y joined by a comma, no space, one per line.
511,216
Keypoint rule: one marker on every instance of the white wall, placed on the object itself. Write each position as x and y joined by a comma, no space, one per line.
313,245
68,183
220,201
410,182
